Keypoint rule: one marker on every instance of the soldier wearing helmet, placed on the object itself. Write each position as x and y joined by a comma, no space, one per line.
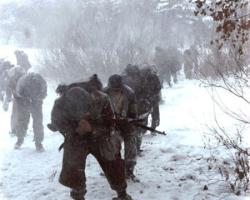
82,117
124,105
22,60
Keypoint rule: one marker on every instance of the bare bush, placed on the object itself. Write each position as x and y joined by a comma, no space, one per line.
234,164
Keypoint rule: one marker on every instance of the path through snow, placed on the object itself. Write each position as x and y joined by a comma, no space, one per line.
173,167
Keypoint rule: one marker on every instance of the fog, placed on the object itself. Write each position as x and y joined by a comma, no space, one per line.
92,36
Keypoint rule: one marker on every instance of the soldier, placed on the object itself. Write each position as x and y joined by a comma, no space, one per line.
152,88
174,61
13,75
168,62
31,90
132,77
190,58
161,62
147,86
22,60
124,105
195,55
83,118
188,64
4,67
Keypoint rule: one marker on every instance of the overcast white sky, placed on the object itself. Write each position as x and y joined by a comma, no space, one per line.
2,2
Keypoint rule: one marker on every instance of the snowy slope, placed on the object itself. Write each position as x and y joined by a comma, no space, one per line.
173,167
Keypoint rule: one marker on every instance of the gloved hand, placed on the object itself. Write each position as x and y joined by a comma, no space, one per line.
83,128
5,106
52,127
24,102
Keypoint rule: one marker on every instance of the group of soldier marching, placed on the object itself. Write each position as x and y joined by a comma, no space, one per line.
93,120
26,90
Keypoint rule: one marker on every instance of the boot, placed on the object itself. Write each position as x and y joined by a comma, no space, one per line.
77,194
39,147
19,143
140,152
130,176
123,196
12,133
102,174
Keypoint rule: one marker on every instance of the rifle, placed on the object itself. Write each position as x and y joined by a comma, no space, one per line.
135,122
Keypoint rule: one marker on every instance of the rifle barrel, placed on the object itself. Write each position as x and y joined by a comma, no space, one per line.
149,128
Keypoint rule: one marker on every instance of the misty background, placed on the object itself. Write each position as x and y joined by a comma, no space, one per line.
76,38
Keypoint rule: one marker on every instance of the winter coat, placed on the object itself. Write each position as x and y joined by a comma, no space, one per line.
31,86
77,104
126,104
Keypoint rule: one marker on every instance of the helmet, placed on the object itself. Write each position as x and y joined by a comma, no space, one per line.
15,72
132,69
78,102
146,70
115,82
18,52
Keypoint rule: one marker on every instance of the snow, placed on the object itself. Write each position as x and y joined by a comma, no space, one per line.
173,167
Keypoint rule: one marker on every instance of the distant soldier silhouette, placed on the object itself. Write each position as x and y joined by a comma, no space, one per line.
22,60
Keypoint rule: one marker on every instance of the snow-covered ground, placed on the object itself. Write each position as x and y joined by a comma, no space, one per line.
173,167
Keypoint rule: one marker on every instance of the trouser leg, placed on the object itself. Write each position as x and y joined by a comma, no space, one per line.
139,136
155,115
168,77
114,170
174,75
13,119
37,115
130,152
73,167
23,116
188,71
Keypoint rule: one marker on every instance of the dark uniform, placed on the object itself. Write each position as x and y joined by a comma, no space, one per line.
147,86
152,86
74,108
124,105
31,90
132,77
150,99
